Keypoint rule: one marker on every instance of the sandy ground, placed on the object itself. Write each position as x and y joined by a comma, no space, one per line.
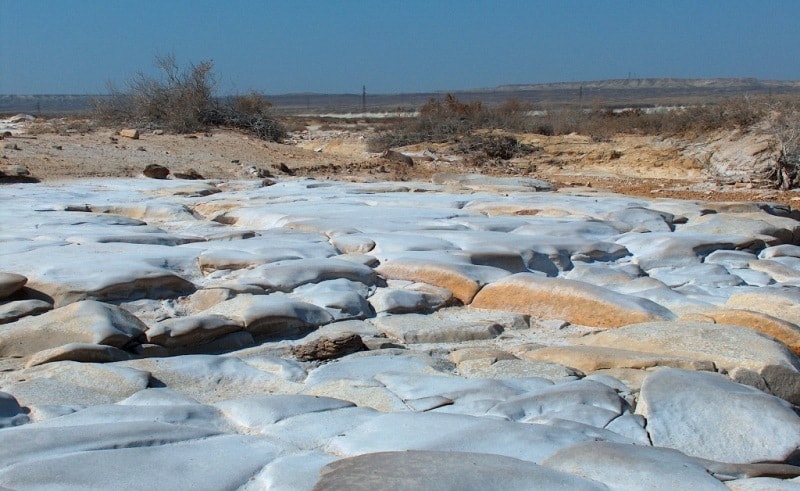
635,165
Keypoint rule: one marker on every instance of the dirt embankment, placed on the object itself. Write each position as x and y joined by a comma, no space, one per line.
720,167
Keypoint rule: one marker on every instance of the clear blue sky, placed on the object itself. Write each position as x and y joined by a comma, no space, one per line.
276,47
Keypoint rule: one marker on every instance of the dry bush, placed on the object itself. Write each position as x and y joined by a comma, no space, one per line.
446,120
784,119
183,101
504,147
60,126
251,103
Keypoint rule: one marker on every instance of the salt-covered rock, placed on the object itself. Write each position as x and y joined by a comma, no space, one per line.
271,316
621,466
707,415
191,330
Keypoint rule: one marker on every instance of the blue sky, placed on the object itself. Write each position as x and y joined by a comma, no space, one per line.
276,47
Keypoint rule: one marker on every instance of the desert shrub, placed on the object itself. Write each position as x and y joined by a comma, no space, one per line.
60,126
445,120
183,101
784,126
504,147
251,103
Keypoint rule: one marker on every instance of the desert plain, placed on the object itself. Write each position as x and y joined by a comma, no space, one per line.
619,314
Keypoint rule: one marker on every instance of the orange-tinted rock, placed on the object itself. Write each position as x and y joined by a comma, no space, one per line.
574,301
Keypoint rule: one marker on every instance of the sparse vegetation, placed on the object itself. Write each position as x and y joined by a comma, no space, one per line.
503,147
183,101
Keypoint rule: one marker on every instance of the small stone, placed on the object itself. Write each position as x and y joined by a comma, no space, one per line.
155,171
10,283
327,348
133,134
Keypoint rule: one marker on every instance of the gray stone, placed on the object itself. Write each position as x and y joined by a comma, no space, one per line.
450,325
191,330
403,301
460,471
342,298
400,431
15,310
10,283
285,276
212,463
707,415
633,467
271,316
209,378
326,348
11,413
255,413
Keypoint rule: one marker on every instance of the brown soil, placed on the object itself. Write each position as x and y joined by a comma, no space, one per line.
633,165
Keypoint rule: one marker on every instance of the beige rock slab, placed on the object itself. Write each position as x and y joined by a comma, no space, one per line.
575,301
463,287
784,331
88,321
729,347
782,303
592,358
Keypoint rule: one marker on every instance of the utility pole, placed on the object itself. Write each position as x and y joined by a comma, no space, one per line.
363,98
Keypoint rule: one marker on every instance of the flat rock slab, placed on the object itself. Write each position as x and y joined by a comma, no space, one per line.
463,279
209,378
575,301
272,317
450,325
707,415
88,321
285,276
74,383
633,467
254,413
191,330
457,433
83,352
582,401
728,347
591,358
212,463
118,271
456,471
783,331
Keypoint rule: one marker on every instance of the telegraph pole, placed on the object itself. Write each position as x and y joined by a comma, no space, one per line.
363,98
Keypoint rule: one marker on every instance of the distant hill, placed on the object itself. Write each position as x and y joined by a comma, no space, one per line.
614,93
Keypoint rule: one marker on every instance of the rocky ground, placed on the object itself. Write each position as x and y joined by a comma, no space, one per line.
457,331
